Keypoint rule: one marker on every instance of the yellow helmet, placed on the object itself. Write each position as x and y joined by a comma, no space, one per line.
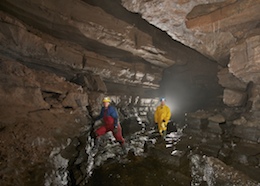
106,99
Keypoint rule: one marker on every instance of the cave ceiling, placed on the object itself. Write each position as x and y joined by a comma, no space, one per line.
137,38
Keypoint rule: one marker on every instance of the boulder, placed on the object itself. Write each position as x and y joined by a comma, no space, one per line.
244,60
234,98
228,80
211,171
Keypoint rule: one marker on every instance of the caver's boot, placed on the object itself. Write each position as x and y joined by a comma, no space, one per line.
123,146
164,134
161,132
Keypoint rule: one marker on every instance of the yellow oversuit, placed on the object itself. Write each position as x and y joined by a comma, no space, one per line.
161,117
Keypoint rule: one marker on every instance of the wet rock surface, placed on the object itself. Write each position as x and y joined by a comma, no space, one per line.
188,156
211,171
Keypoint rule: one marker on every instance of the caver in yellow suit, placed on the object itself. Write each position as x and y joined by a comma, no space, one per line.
162,116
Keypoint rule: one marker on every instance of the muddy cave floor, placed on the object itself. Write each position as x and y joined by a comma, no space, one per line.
152,160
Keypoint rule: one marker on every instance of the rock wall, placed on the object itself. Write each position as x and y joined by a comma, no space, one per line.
40,114
41,51
241,81
211,27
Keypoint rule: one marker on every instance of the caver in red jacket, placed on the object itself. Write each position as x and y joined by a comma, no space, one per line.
110,118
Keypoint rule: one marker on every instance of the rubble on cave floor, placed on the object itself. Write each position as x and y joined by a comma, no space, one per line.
152,160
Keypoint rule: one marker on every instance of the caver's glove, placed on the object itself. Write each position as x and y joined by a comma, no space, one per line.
115,130
156,126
